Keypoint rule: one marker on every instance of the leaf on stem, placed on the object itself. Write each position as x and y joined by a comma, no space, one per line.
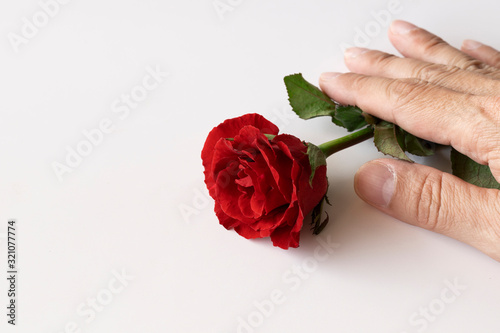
351,117
388,140
417,146
472,172
392,140
316,159
308,101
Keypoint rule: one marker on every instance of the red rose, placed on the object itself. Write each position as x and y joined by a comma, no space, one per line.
260,185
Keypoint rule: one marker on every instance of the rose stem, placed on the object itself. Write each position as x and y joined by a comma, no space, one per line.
331,147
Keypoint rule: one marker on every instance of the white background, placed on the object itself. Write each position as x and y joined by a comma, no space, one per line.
137,203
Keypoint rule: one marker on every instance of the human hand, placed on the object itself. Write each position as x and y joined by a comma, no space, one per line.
441,94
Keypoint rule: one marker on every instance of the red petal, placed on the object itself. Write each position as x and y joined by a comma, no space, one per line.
227,194
258,199
288,234
271,221
247,232
309,196
224,157
296,147
229,129
226,221
244,203
245,181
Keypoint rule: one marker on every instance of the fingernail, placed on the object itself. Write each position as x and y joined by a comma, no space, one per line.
375,183
470,44
328,76
353,52
402,27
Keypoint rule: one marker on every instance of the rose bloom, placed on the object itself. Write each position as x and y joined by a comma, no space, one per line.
260,185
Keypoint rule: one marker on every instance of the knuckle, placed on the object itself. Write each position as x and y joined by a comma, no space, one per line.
397,90
428,209
404,92
426,71
489,71
358,81
436,72
471,64
382,60
495,62
480,145
486,109
434,45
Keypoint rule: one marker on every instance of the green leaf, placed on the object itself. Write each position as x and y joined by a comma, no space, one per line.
388,140
417,146
316,159
351,117
472,172
370,120
392,140
308,101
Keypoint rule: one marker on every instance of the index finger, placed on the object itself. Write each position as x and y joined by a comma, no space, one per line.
426,110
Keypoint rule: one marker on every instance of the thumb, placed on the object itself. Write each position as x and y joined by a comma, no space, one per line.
434,200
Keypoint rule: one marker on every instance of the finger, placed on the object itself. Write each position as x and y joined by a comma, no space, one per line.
415,42
411,104
376,63
433,200
467,122
482,52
